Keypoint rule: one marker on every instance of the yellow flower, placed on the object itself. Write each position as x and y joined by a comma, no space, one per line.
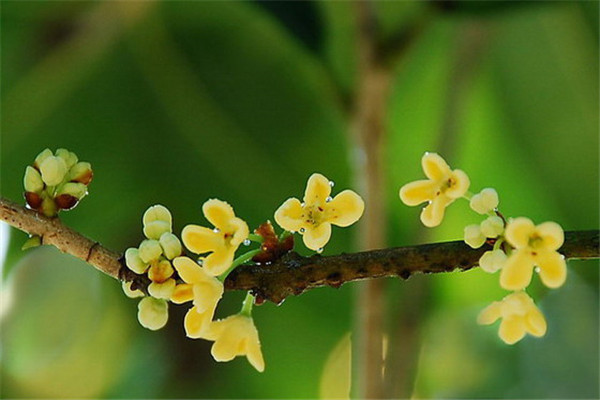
236,336
441,189
314,217
534,246
519,316
153,313
222,242
204,289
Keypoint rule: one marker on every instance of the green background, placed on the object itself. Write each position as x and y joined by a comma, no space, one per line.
178,102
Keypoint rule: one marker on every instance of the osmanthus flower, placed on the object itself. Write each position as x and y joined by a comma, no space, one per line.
203,289
442,187
236,336
153,313
313,218
221,242
534,246
519,316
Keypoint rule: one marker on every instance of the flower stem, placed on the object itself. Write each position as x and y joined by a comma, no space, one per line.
247,305
239,261
255,238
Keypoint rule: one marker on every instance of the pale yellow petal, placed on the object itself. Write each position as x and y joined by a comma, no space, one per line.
316,238
345,208
240,231
162,290
196,324
417,192
190,271
490,314
219,261
433,214
207,294
317,190
512,329
218,213
519,231
459,184
435,167
553,268
254,354
157,213
535,322
552,234
199,239
517,271
289,215
183,293
152,313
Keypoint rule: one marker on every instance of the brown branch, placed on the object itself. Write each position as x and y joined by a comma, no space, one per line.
291,274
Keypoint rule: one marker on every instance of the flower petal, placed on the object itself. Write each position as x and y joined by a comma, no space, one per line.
316,238
459,184
553,268
417,192
218,262
490,314
535,322
434,166
552,234
345,208
183,293
199,239
240,231
317,190
512,329
207,294
517,271
289,215
190,271
518,232
254,353
433,214
196,324
218,213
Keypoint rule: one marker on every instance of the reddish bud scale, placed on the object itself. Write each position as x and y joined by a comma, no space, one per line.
34,200
272,248
66,201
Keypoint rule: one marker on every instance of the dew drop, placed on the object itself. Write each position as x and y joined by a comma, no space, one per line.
537,269
320,250
216,230
331,183
247,242
328,199
200,261
302,230
302,204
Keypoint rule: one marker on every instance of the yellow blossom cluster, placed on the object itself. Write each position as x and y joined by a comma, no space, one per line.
519,246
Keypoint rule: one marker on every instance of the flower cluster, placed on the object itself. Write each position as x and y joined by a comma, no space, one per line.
179,278
56,181
518,246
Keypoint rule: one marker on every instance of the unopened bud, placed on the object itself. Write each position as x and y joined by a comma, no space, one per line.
134,262
81,172
492,261
492,227
160,271
473,236
485,201
132,294
33,180
171,245
48,207
162,290
155,229
153,313
149,250
157,213
69,157
75,189
41,157
53,170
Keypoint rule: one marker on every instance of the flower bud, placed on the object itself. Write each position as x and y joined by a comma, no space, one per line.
473,236
48,207
171,245
134,262
81,172
492,227
162,290
41,157
485,201
69,157
33,180
75,189
153,313
492,261
160,271
157,213
150,250
132,294
53,170
155,229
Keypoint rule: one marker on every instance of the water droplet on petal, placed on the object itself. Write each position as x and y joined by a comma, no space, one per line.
328,199
292,232
331,183
320,250
200,261
216,230
537,269
302,204
247,242
302,230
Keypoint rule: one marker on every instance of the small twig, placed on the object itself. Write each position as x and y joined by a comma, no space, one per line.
292,273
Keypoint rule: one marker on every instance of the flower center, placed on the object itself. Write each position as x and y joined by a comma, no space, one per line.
314,215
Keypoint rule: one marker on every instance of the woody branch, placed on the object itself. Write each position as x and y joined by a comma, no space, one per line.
292,274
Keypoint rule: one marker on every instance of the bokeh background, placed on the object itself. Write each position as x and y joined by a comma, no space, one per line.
178,102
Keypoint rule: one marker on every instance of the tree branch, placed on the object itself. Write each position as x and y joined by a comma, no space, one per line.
292,273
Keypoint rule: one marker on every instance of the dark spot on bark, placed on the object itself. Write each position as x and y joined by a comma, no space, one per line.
464,262
362,271
404,274
334,277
